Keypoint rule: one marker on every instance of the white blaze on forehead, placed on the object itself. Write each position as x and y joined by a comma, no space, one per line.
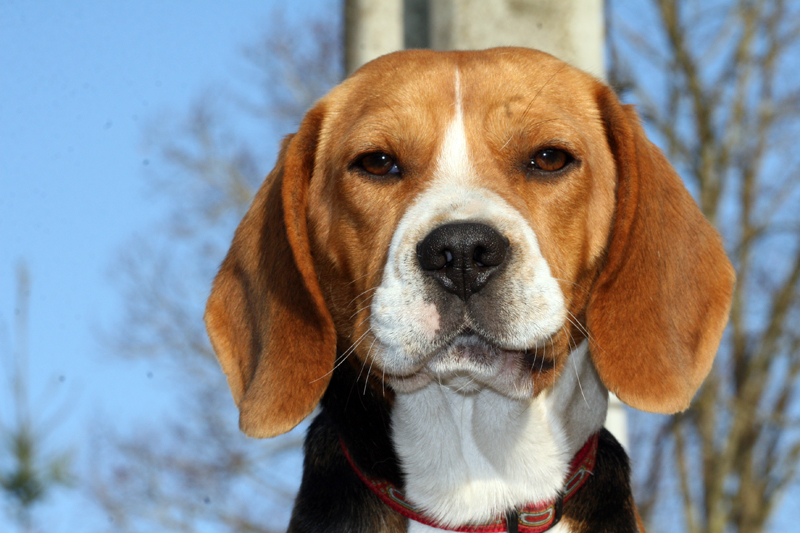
454,162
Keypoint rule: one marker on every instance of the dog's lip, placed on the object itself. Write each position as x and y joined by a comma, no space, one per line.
471,346
469,362
484,352
530,354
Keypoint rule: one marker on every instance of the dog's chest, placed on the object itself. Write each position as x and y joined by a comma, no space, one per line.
468,457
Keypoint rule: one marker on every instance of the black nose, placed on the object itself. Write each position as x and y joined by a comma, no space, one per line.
462,256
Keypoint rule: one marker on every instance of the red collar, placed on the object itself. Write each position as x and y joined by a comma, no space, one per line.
533,518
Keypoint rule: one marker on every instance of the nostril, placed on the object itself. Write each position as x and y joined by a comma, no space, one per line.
491,255
478,256
433,258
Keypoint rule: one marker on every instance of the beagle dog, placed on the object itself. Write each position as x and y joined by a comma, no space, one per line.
456,257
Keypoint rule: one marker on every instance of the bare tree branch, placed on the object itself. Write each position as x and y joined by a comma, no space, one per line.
728,117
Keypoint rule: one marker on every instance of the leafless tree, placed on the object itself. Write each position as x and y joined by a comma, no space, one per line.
717,84
30,468
193,469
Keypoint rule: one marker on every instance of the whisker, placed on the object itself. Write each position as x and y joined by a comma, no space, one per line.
362,293
369,371
541,365
577,375
535,355
365,275
342,358
369,352
361,371
572,283
545,84
356,326
357,342
574,321
465,385
359,310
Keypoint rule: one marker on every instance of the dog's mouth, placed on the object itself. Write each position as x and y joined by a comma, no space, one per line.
470,362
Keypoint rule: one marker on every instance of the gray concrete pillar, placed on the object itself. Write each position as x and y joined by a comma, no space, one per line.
372,28
571,30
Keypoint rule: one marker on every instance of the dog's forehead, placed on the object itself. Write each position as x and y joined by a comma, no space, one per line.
418,89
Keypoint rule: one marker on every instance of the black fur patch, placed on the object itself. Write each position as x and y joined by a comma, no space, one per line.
604,504
332,499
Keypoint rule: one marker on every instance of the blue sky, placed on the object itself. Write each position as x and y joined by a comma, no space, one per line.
79,82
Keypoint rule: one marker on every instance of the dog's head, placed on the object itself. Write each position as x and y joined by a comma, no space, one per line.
468,217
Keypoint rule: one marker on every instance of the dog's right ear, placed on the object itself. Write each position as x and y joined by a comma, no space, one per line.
266,317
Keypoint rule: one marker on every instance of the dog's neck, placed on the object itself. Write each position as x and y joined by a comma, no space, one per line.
468,457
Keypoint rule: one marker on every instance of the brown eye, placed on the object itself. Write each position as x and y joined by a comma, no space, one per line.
549,160
379,164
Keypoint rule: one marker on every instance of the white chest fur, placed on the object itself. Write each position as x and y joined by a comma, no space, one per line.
470,456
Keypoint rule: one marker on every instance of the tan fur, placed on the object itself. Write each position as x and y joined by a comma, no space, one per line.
636,261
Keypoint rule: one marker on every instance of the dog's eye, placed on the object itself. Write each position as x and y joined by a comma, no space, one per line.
549,160
379,164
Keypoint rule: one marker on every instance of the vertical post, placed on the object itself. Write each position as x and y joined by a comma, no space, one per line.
416,19
572,30
372,28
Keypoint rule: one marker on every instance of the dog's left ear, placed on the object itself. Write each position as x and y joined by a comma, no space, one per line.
659,306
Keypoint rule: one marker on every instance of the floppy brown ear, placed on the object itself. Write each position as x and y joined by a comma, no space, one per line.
661,302
266,316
